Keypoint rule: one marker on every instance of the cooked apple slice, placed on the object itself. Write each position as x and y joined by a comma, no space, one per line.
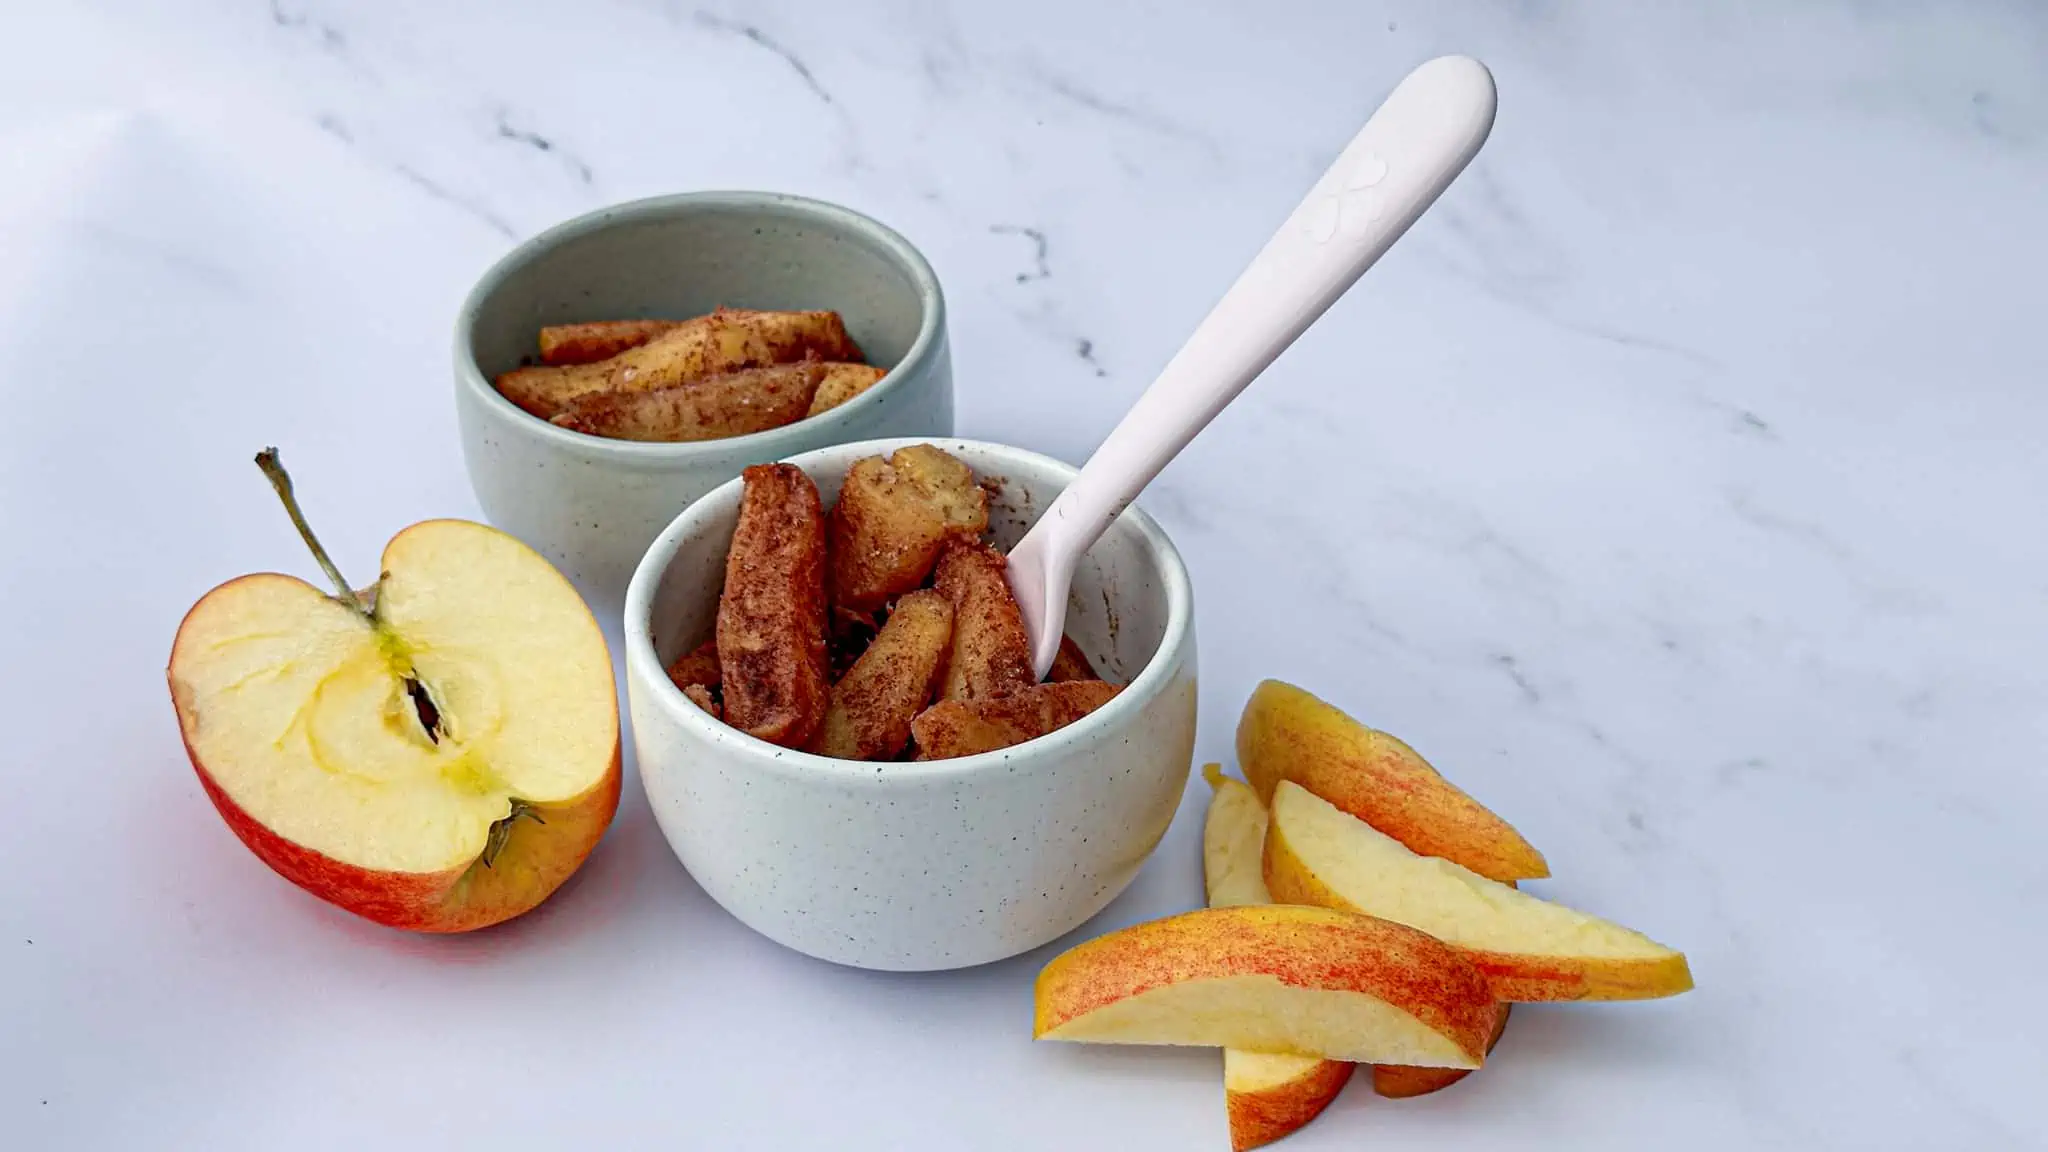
438,753
872,706
728,340
955,728
698,666
893,518
1266,1095
1529,949
1306,981
714,408
595,340
991,654
843,382
1070,663
1288,734
702,696
773,669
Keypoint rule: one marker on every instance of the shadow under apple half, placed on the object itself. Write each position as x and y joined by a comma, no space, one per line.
438,752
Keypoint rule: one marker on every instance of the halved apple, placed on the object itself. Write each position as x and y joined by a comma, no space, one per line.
1529,949
1305,981
1288,734
437,753
1265,1095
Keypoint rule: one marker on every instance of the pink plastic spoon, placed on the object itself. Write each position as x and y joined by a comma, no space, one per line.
1386,178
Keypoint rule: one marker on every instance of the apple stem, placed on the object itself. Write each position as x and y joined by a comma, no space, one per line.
282,481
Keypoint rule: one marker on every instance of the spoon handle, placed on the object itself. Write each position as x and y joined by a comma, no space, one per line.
1418,141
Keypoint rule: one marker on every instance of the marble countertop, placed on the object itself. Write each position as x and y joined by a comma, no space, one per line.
1676,486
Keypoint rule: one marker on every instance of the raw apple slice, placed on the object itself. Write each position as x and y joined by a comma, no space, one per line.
1270,1095
1305,981
438,753
1528,948
1266,1095
1400,1081
1233,839
1288,734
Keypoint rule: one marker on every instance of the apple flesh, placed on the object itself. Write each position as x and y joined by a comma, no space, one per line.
1288,734
1529,949
1233,843
1302,981
438,754
1400,1081
1266,1095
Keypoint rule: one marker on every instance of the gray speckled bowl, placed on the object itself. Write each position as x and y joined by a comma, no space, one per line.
932,865
591,505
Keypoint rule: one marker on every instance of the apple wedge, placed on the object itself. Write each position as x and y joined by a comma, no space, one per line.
437,753
1266,1095
1305,981
1529,949
1270,1095
1233,841
1401,1081
1288,734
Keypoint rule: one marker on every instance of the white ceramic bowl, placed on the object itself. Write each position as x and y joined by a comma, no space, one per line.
919,866
592,505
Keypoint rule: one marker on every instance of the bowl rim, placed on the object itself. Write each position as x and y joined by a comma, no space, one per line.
793,436
643,667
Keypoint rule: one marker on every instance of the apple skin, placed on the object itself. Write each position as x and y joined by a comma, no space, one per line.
1258,1116
1287,733
535,860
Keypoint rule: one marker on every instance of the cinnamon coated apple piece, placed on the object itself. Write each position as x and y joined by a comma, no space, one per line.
698,666
892,519
727,340
771,616
953,728
595,340
1070,663
991,652
873,704
544,389
731,404
704,697
842,383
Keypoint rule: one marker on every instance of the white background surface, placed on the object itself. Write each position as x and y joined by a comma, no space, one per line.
1676,487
